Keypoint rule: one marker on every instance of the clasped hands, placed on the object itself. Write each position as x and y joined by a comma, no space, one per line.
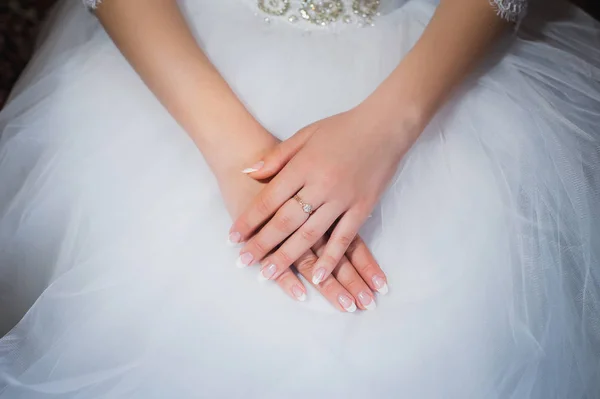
324,183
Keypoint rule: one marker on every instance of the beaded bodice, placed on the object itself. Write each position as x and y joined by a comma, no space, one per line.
362,12
323,12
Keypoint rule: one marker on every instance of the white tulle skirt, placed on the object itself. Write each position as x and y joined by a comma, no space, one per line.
116,280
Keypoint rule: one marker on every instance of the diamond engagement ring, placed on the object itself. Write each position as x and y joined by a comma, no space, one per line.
306,207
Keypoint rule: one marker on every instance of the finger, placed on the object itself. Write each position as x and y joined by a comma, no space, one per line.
287,220
292,285
365,264
349,278
330,288
302,240
266,203
278,157
342,236
346,274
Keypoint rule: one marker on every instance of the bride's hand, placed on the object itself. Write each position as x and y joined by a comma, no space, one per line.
345,289
340,166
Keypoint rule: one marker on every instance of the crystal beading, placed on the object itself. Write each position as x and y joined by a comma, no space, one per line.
323,12
274,7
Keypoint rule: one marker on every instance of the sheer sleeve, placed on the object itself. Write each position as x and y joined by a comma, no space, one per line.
510,10
92,4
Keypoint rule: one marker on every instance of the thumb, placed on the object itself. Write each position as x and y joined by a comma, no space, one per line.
278,157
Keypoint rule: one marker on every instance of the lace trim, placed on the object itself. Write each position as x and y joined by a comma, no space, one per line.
92,4
510,10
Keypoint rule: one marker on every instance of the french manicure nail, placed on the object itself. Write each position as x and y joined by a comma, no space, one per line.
347,303
254,168
267,272
367,300
318,276
380,284
299,293
244,260
234,238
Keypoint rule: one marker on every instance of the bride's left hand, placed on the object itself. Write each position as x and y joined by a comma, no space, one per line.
341,166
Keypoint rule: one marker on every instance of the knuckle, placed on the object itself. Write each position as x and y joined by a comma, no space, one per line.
344,240
309,234
306,263
329,261
282,222
260,246
366,268
329,178
353,284
329,287
285,257
285,278
263,204
333,172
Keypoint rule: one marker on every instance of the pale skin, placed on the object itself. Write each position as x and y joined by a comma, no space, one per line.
340,266
228,136
342,165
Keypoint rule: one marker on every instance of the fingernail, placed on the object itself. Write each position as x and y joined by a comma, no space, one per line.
380,284
299,293
347,303
267,272
257,166
367,300
234,238
244,260
318,276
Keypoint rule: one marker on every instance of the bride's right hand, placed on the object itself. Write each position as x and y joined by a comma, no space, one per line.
345,289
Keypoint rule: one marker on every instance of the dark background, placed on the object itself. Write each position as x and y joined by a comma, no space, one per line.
20,20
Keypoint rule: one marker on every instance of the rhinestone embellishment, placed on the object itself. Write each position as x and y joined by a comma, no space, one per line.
274,7
367,9
307,208
323,12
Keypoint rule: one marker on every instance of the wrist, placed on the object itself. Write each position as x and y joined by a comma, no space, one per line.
233,147
399,120
245,156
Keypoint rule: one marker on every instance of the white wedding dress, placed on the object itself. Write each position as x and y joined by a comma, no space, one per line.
116,280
